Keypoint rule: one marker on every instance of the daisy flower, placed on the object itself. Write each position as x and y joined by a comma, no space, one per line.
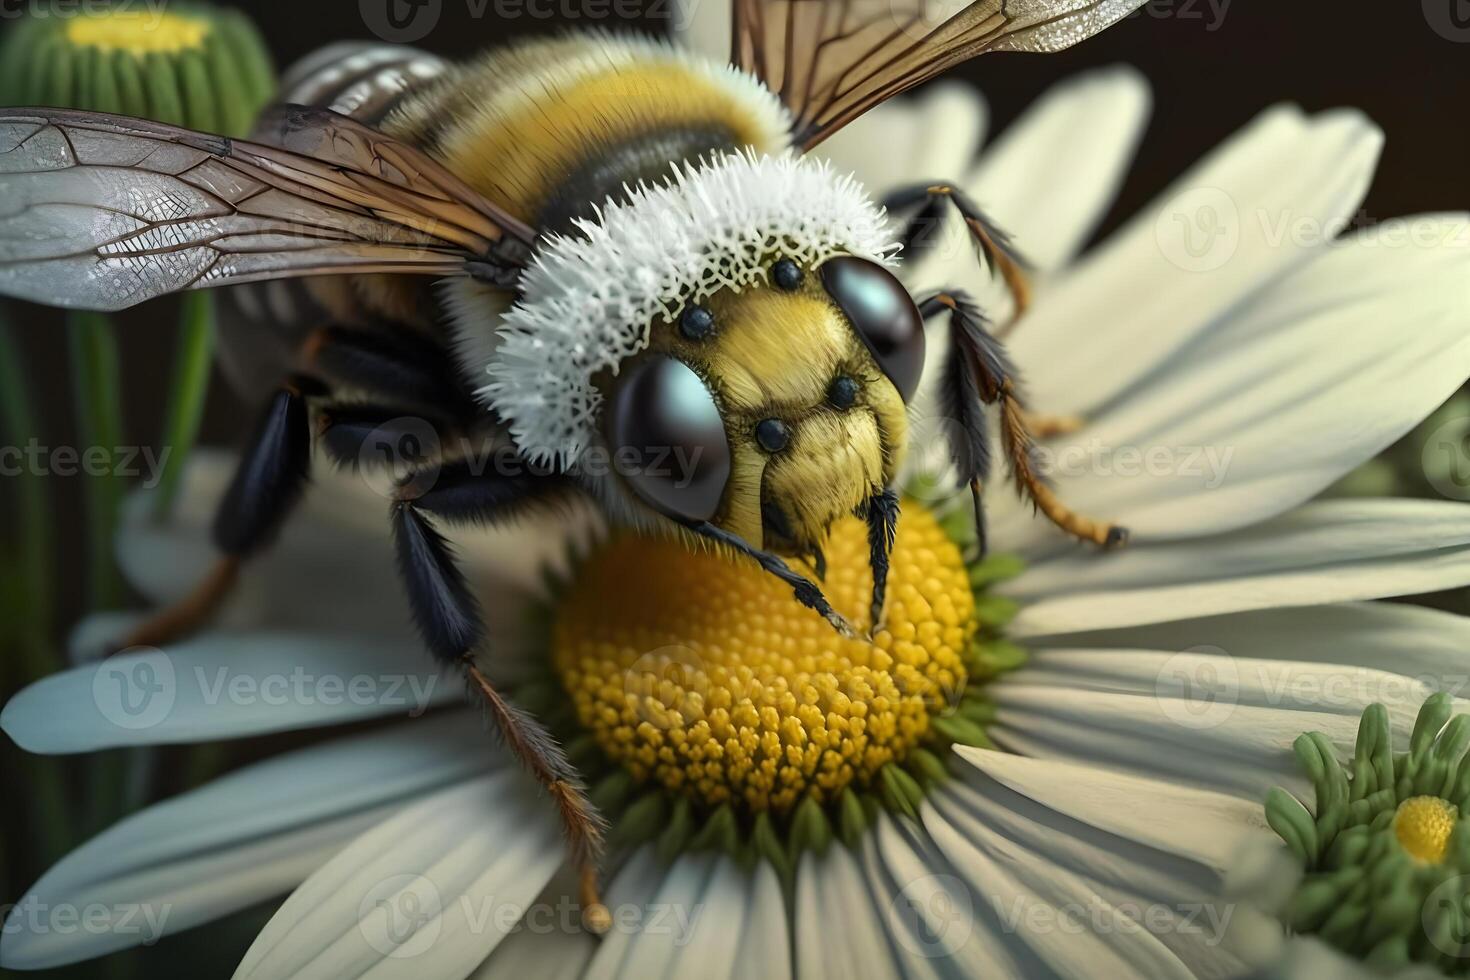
1046,763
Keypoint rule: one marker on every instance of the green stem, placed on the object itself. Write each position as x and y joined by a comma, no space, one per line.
95,375
31,519
193,361
31,610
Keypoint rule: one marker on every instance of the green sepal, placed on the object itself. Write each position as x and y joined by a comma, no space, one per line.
899,792
766,843
810,830
612,791
852,818
962,731
721,832
643,820
675,838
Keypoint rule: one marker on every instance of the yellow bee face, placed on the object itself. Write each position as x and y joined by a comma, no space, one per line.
796,391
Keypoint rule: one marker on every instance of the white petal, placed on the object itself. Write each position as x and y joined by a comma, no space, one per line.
549,943
697,922
429,892
1319,373
765,952
1326,552
225,685
1181,729
1049,179
933,924
1003,842
1199,825
244,838
1137,300
629,895
839,934
1015,885
1411,641
704,26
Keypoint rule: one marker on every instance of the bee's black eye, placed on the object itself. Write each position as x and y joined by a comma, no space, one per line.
884,316
668,439
696,323
843,392
786,274
773,435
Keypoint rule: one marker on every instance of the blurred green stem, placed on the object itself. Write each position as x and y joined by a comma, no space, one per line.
31,518
99,424
193,360
33,608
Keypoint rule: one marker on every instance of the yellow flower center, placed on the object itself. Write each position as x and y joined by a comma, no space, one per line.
137,32
1423,825
704,673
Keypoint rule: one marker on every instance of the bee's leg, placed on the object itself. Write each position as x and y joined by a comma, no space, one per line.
994,244
267,483
881,514
1049,426
807,592
449,619
979,371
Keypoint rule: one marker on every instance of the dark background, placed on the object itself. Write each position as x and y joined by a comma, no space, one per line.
1213,66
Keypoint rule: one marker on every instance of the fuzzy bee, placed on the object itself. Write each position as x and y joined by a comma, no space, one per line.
587,247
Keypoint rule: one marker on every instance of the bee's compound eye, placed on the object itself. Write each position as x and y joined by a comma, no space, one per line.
883,314
668,439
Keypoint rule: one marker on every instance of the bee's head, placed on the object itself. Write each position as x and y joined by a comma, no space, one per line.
771,411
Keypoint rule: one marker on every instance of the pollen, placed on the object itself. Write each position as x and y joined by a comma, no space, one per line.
703,673
137,32
1423,825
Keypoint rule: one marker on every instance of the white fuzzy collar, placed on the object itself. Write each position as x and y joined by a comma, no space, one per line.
589,300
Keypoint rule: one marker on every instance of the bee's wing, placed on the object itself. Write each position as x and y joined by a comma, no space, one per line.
102,212
832,60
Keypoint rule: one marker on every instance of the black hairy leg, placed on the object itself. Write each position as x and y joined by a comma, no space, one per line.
268,482
806,591
995,245
881,514
449,619
978,372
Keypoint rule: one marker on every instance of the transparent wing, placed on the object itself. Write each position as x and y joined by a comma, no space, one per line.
832,60
103,212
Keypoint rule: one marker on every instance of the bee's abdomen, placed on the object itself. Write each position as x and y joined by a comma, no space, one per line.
361,79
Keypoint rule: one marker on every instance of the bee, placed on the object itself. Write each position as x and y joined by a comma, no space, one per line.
582,248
